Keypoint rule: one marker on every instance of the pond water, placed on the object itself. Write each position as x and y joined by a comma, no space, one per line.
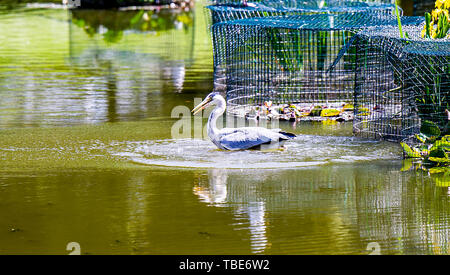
87,154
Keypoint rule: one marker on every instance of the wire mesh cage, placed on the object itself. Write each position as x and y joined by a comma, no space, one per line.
310,3
227,10
236,10
400,83
286,60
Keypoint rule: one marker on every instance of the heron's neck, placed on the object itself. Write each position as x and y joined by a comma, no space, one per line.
215,114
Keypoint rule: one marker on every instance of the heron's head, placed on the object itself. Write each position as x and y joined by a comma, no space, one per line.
211,99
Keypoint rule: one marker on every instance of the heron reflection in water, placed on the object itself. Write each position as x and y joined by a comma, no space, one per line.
239,138
245,204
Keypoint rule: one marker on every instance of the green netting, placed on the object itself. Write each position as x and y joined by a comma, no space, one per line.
400,83
286,59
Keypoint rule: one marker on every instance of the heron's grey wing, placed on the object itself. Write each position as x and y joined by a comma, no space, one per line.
242,139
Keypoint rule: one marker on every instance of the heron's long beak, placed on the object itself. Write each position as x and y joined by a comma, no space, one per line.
201,106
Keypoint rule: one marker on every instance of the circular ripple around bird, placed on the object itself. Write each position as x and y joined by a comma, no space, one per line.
304,151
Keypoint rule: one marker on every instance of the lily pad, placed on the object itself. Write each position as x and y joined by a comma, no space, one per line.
330,112
348,107
363,111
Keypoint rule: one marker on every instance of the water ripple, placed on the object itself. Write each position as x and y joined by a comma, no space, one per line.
306,150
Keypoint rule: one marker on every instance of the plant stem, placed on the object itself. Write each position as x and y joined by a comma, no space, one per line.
399,20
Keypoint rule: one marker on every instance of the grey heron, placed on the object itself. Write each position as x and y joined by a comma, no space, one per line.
239,138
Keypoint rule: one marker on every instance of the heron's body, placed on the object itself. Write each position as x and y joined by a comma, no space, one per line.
240,138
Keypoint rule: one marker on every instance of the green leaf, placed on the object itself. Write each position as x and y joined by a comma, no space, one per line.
137,17
410,152
438,152
439,160
348,107
428,25
407,164
398,20
441,144
329,112
421,137
430,129
439,170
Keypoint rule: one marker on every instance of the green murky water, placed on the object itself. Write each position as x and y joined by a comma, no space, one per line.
87,154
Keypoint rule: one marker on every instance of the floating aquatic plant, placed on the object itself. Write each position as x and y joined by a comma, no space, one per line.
434,160
338,112
431,148
330,113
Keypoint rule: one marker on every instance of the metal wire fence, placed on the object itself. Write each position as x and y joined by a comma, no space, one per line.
286,60
226,11
400,83
299,3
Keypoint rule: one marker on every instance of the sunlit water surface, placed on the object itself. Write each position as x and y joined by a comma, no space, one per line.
305,150
87,154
